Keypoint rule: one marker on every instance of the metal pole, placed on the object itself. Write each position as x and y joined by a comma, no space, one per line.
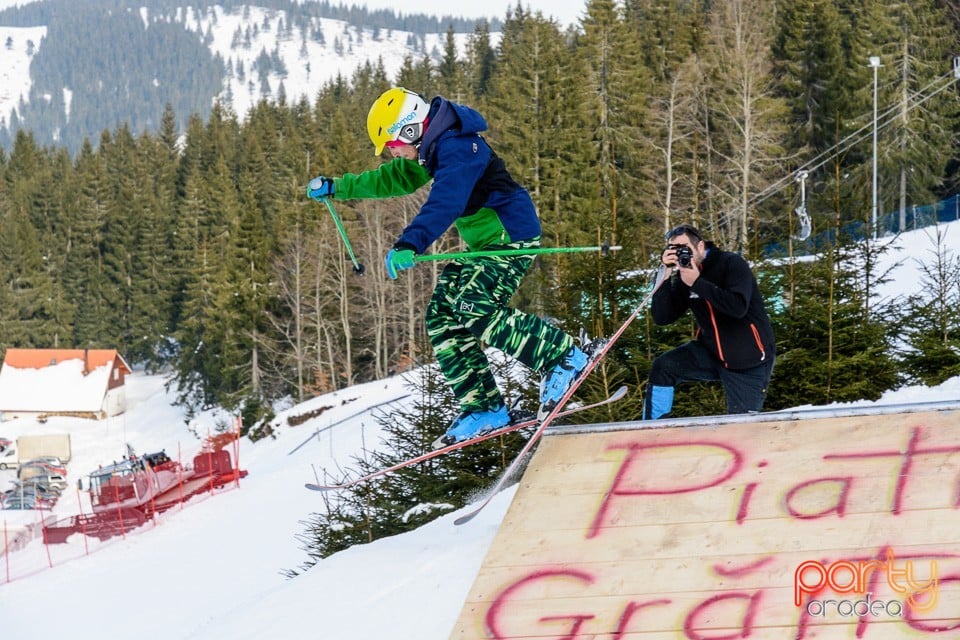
875,63
357,267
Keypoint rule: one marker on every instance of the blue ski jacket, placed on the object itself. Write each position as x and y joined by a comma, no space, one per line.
471,188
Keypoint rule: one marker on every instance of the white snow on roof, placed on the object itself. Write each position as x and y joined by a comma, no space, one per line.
61,387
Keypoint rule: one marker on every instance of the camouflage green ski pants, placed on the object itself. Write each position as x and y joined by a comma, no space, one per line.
469,308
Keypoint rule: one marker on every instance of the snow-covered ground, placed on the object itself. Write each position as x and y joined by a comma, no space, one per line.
213,569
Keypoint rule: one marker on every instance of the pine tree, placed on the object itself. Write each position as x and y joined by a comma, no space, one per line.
746,118
209,212
915,149
600,48
30,269
809,65
120,231
667,31
245,278
481,59
415,495
26,288
83,269
932,321
451,78
872,30
829,348
153,273
613,91
814,77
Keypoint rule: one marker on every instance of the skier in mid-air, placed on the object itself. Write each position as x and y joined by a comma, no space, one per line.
440,140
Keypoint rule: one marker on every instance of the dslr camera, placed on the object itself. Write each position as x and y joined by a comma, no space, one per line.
684,254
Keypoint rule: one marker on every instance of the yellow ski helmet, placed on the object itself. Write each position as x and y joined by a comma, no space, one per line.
397,115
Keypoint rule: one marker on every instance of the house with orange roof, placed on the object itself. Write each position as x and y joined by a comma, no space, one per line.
87,383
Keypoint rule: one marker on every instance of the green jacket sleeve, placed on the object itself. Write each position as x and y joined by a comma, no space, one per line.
399,177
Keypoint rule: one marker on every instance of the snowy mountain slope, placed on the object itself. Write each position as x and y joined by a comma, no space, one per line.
309,62
15,80
212,570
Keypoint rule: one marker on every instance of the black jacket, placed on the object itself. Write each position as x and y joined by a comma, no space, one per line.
732,321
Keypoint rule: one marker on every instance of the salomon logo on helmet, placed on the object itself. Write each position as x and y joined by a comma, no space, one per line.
385,123
399,123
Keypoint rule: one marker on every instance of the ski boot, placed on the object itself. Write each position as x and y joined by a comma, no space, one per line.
557,380
472,424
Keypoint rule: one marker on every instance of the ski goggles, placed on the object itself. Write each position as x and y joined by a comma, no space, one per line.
408,134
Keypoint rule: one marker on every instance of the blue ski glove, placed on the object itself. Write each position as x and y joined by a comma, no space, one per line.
320,187
398,259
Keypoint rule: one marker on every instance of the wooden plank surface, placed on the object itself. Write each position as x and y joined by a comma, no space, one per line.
705,533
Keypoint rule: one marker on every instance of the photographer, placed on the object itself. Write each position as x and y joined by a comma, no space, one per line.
734,340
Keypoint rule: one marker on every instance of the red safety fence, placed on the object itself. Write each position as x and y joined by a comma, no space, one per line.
37,540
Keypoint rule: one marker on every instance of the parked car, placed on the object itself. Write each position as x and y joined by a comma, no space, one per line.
20,505
50,463
8,459
5,443
51,480
51,460
27,471
43,481
35,486
36,500
15,501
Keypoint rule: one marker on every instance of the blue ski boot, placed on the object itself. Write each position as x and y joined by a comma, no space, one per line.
556,381
472,424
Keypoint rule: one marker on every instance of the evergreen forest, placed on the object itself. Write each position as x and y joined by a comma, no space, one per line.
193,249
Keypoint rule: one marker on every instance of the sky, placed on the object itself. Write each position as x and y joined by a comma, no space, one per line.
212,569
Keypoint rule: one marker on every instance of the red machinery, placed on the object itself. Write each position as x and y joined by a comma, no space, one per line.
125,494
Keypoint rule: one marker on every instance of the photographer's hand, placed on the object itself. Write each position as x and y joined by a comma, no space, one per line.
669,257
689,274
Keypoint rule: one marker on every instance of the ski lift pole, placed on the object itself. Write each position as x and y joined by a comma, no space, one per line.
603,249
358,268
801,211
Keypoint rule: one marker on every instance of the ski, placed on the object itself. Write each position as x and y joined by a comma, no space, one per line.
616,395
557,411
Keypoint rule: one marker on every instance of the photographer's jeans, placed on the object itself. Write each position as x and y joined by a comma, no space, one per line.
745,389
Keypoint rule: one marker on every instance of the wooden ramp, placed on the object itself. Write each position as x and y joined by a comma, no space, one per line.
717,531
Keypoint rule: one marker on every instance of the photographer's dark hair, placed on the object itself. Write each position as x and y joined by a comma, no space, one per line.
685,229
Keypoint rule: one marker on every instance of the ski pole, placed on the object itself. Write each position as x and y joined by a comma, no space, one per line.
358,268
604,249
